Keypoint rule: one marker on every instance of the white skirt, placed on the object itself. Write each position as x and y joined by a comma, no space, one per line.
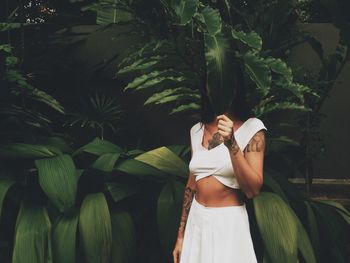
217,235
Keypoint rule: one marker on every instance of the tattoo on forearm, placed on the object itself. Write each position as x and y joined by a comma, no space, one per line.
257,143
188,198
234,147
214,141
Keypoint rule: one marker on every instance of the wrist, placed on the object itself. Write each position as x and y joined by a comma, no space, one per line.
230,141
232,145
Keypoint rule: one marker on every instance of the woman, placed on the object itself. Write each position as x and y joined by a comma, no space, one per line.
225,168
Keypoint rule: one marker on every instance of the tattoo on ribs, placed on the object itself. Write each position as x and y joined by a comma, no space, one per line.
188,198
257,143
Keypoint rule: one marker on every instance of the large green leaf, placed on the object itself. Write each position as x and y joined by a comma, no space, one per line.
120,191
343,212
99,147
165,160
212,20
5,185
141,170
252,39
95,229
280,67
278,227
31,151
184,9
124,241
258,71
304,244
168,213
58,178
312,227
109,11
220,68
64,239
32,235
274,186
106,162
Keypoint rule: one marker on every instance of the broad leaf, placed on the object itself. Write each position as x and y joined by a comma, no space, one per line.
58,179
5,185
252,39
183,9
168,213
258,71
120,191
220,68
278,227
64,239
109,11
141,170
95,229
212,20
32,235
106,162
124,237
30,151
312,227
99,147
165,160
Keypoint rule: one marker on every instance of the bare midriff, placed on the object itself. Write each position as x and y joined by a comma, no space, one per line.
212,193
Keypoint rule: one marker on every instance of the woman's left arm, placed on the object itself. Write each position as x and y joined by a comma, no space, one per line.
248,165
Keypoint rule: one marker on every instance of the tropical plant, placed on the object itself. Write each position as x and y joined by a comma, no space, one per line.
92,205
22,106
102,112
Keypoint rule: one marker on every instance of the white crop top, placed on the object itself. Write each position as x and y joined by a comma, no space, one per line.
217,161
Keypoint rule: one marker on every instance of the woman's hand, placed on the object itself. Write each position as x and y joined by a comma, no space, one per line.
177,250
225,127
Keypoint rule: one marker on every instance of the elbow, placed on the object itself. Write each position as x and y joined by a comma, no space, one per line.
253,193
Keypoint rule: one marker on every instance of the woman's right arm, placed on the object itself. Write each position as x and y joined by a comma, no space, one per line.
189,192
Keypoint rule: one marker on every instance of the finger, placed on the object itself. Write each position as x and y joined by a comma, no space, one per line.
224,135
223,117
226,124
224,128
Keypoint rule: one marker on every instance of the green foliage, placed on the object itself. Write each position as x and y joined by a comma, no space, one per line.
95,229
101,113
58,178
107,229
64,239
32,235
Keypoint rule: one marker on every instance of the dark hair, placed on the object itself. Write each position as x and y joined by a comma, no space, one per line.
238,107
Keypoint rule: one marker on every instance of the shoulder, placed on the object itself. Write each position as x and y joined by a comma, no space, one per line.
255,124
195,128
